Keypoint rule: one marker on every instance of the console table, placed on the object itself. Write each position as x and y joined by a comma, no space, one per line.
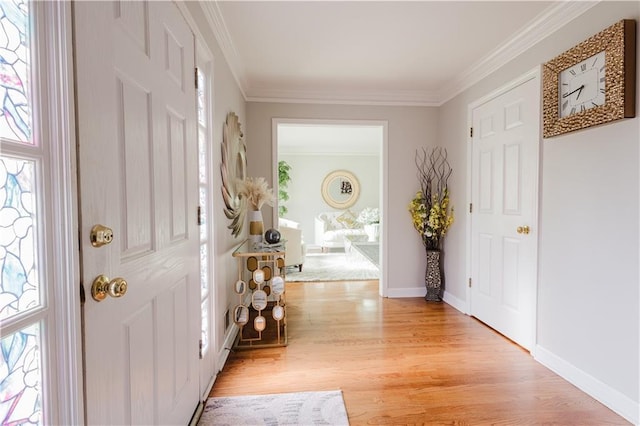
260,312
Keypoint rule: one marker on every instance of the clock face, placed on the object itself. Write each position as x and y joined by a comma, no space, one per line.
582,86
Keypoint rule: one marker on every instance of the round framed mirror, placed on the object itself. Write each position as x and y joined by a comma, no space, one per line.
340,189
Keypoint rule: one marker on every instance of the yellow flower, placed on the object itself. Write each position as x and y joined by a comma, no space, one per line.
432,220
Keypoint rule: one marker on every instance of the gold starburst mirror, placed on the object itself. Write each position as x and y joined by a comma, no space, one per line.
233,169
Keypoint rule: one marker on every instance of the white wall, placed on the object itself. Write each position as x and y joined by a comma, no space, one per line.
227,98
588,290
409,128
307,174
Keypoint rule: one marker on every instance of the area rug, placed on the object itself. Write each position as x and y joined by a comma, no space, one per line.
334,267
369,250
299,408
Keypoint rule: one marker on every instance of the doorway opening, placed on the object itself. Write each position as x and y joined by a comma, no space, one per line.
336,193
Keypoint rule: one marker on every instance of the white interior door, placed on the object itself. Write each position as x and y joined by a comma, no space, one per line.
503,221
138,176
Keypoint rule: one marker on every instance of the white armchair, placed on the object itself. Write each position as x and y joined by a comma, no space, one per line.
294,243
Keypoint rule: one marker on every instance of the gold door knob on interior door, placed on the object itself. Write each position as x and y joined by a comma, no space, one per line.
523,230
103,287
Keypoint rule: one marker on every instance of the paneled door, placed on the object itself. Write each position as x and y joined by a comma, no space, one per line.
505,148
138,166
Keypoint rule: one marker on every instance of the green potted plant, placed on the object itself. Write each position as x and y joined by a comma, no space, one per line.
283,182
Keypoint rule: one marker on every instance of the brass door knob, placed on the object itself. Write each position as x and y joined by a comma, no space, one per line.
103,287
523,230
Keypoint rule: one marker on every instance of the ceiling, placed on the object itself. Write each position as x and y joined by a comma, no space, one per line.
376,52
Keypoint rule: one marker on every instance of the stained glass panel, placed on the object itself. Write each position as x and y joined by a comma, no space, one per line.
15,111
20,378
19,286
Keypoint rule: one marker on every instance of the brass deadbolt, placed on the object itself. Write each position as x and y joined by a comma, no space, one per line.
100,236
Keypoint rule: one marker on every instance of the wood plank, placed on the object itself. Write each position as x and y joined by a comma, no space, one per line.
406,361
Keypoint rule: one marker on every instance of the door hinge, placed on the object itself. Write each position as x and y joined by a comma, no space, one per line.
200,219
200,348
470,207
196,76
470,132
469,282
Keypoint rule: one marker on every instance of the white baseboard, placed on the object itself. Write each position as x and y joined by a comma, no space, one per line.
616,401
457,303
397,293
229,338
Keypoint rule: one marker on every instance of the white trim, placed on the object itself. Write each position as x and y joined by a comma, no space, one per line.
201,41
383,283
204,61
341,97
384,171
329,154
398,293
615,400
547,22
212,12
227,345
531,74
535,73
455,302
58,84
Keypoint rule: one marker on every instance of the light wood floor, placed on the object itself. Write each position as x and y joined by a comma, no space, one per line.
405,361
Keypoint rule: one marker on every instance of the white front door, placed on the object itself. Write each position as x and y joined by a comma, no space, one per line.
138,176
504,204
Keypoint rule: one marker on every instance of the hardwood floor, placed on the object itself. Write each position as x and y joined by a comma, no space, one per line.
406,361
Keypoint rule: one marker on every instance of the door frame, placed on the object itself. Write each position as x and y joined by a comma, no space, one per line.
383,283
533,74
54,52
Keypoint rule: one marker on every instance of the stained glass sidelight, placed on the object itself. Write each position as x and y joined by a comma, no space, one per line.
21,374
19,286
15,111
20,377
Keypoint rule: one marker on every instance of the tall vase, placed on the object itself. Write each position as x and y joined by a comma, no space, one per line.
373,231
433,276
256,228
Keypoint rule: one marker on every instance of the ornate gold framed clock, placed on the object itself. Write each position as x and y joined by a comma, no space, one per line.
592,83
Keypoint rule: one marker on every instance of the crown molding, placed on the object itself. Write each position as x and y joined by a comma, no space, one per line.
341,97
214,17
543,25
329,154
549,21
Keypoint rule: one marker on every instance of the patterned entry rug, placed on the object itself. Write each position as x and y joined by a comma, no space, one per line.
334,267
299,408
